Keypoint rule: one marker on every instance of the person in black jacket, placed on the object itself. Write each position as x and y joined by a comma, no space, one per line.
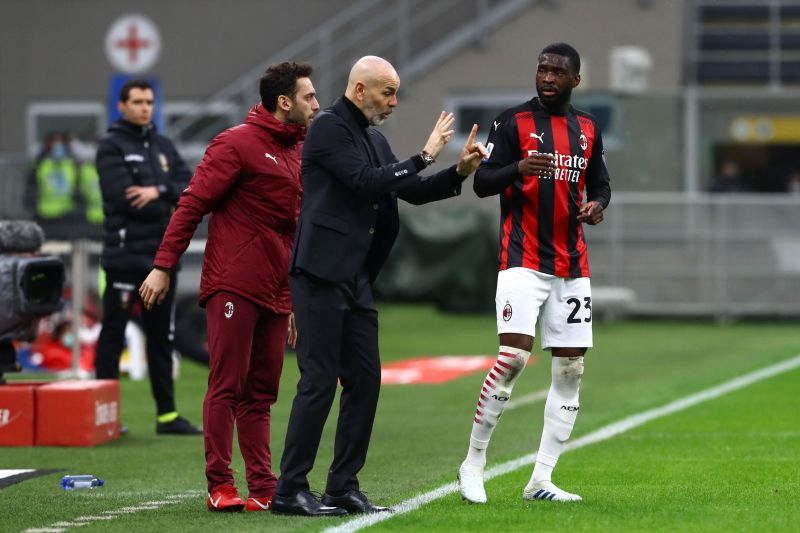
348,223
141,177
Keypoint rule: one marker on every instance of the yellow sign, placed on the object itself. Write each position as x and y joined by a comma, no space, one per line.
766,129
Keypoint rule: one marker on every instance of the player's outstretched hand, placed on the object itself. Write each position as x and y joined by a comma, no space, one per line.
471,155
154,288
441,134
591,213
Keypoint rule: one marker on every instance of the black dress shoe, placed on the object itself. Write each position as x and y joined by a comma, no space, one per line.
355,502
179,426
305,504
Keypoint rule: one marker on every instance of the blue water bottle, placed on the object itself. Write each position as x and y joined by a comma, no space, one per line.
81,482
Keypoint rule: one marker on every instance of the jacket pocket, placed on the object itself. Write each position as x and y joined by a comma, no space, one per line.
330,222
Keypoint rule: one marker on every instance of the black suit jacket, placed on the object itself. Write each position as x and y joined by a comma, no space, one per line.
348,219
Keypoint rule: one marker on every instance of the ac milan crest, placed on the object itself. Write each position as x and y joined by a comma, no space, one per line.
584,142
507,312
228,309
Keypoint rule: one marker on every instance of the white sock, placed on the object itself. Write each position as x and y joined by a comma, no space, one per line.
560,413
494,396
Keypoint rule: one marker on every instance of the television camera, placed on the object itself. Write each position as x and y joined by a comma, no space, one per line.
31,287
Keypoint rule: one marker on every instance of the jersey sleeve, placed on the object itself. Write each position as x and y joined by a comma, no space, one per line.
500,169
598,182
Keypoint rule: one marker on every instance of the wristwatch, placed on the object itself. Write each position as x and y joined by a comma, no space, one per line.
427,158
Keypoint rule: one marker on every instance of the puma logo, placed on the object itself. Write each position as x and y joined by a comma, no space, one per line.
270,156
539,137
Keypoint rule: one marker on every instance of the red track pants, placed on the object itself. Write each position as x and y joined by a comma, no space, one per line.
246,347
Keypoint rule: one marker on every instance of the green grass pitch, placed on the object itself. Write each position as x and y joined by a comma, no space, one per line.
731,463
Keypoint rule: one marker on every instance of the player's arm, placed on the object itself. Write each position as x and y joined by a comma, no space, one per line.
598,186
505,163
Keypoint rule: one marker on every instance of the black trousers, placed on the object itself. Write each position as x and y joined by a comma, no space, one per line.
119,300
337,326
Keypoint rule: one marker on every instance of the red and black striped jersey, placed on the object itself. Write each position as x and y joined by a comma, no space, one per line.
539,226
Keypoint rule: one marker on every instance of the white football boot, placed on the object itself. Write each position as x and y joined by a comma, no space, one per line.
470,483
545,490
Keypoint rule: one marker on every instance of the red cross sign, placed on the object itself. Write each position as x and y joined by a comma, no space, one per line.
133,44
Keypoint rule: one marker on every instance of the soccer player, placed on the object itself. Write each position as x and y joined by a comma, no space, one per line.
542,155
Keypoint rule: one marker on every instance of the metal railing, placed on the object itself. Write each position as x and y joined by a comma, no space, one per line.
721,256
410,33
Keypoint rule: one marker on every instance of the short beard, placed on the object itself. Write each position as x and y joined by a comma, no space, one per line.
370,107
558,100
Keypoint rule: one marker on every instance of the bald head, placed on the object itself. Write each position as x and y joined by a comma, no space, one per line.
372,87
370,70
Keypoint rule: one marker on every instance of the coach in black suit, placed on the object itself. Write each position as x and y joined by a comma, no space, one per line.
348,223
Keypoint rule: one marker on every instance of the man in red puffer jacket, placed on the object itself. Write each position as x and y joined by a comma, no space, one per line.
249,180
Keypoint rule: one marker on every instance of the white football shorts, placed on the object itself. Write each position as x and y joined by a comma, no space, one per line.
565,306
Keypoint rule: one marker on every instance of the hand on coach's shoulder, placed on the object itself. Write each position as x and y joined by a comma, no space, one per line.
471,155
154,288
441,134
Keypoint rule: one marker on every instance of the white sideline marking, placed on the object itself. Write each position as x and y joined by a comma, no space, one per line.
9,473
61,526
601,434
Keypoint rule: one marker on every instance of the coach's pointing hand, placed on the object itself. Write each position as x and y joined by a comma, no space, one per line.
471,154
154,288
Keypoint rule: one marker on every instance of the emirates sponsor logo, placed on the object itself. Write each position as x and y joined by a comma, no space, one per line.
569,166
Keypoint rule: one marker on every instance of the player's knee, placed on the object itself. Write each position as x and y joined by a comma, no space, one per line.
510,363
573,370
567,374
569,352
